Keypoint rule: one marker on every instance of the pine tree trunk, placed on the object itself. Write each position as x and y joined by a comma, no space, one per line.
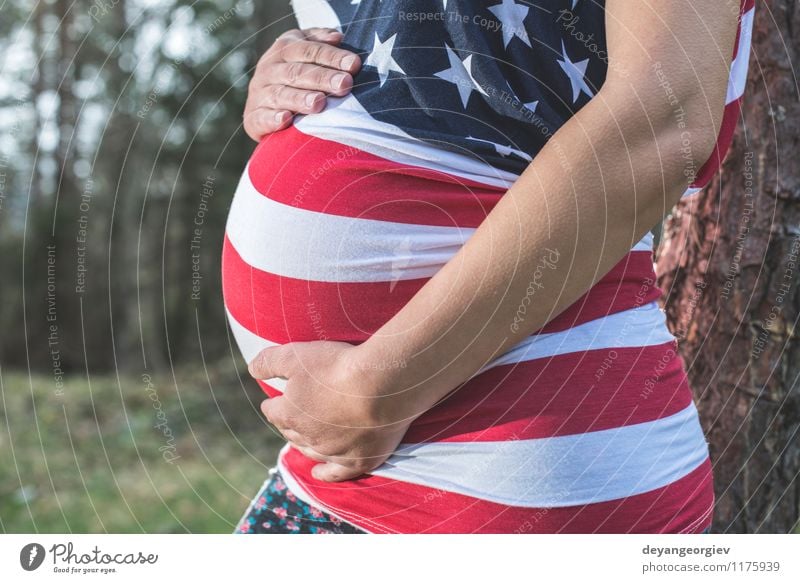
730,263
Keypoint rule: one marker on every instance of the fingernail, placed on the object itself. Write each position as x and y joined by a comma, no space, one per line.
280,117
338,80
311,99
348,61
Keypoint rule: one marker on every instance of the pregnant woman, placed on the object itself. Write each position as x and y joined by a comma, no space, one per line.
438,261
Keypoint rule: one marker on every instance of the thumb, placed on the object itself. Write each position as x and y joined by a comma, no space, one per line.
269,407
272,362
333,472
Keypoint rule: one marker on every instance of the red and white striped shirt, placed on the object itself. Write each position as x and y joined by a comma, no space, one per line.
586,426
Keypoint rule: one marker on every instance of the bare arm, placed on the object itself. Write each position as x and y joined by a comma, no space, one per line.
604,179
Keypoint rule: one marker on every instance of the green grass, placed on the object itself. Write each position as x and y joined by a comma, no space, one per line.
88,460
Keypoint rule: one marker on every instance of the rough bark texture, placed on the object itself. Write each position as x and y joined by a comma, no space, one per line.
730,264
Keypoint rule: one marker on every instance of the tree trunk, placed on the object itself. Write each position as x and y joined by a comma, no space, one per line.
730,262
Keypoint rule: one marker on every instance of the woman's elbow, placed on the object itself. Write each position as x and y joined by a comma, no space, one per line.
680,113
685,132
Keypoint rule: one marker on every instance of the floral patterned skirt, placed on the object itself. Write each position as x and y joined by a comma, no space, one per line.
275,510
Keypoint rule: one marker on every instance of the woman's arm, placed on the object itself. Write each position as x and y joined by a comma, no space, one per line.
602,181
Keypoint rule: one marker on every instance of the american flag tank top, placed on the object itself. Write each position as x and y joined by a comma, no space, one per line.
587,425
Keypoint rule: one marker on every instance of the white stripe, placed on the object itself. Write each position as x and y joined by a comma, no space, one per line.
634,328
559,471
690,191
345,121
646,244
738,76
312,13
250,345
637,327
291,242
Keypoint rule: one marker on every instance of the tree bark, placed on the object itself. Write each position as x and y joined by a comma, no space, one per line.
730,265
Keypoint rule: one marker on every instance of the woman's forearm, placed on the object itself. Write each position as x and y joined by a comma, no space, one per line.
603,180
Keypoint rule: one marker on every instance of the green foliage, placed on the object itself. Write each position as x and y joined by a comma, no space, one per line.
90,458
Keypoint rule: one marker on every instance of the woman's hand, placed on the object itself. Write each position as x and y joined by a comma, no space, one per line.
336,408
295,75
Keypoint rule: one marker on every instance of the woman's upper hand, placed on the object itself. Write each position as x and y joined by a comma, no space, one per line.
296,75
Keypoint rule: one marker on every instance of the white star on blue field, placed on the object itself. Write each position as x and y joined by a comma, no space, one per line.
495,79
511,16
381,58
576,73
460,74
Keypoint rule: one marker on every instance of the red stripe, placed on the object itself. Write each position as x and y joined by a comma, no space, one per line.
284,309
629,284
268,390
381,505
567,394
324,176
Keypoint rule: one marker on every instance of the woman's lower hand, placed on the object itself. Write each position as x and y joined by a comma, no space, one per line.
335,408
296,75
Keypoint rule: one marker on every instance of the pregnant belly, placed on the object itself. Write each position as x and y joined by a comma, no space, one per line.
325,241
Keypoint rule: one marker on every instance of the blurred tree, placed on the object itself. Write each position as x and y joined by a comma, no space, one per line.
731,264
113,119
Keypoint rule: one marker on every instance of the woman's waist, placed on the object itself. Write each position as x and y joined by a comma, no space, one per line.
648,479
609,394
510,443
618,370
594,413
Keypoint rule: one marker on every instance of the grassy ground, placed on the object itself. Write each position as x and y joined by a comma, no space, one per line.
134,454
